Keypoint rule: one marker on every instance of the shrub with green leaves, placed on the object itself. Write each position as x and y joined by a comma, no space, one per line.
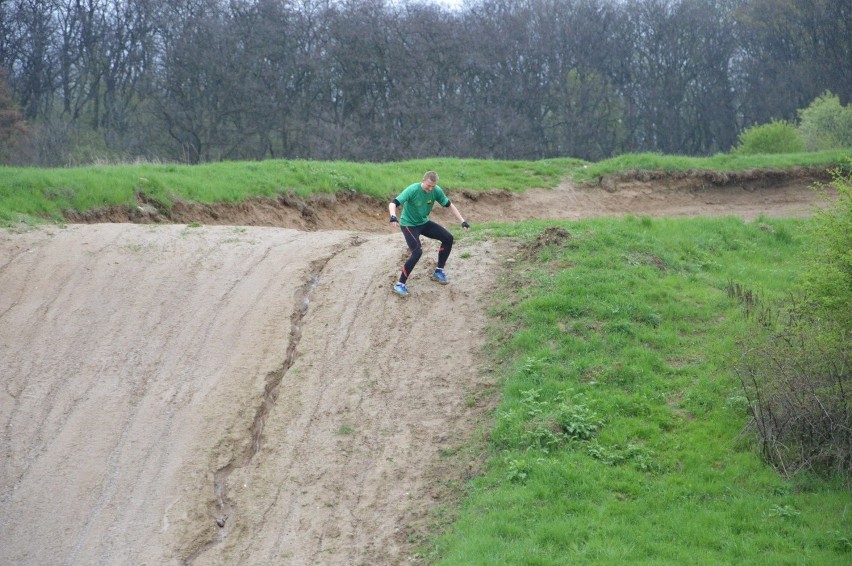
828,280
826,124
797,367
776,137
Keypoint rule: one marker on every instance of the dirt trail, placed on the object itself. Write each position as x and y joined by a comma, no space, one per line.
236,395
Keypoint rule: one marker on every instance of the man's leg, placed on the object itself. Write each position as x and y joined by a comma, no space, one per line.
437,232
412,239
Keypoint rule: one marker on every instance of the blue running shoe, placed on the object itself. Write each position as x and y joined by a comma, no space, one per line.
400,289
440,277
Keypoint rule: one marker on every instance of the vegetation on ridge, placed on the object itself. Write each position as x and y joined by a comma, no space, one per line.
38,194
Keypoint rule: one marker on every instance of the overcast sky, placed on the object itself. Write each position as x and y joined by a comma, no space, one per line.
447,3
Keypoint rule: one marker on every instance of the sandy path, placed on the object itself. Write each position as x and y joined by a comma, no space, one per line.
136,361
685,197
224,395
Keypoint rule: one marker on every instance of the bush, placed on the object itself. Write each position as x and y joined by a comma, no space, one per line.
798,385
825,124
828,280
797,369
775,137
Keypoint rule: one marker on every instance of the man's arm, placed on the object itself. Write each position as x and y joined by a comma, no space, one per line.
455,210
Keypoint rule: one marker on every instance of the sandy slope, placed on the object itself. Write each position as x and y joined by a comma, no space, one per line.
135,364
224,395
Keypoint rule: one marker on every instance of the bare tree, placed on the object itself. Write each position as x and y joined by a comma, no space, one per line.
32,59
12,124
789,53
198,97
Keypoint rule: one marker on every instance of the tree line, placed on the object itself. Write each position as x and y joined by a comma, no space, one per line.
375,80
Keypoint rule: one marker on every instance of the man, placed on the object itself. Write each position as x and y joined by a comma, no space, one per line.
417,201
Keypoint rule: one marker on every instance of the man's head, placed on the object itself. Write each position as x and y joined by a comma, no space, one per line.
430,179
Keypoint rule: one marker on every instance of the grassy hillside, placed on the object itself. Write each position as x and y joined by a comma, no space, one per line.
33,195
619,438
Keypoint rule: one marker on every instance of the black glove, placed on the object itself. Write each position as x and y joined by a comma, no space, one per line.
465,224
394,219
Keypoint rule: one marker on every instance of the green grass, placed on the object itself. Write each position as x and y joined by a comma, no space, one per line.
34,195
619,435
30,194
719,162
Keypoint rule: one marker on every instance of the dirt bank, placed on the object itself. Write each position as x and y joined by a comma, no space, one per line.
746,194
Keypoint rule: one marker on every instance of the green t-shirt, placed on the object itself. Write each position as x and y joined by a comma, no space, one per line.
417,204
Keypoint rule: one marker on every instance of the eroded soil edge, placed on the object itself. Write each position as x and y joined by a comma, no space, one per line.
655,193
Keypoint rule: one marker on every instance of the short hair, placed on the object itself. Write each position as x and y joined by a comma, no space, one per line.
431,175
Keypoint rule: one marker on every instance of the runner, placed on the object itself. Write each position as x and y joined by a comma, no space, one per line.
417,201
